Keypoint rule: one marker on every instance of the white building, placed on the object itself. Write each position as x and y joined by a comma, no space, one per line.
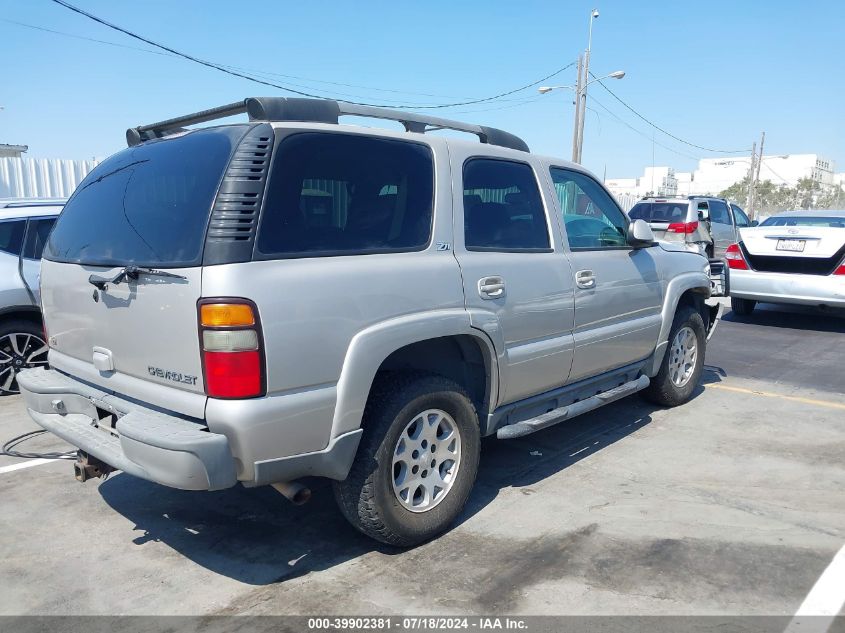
659,181
717,174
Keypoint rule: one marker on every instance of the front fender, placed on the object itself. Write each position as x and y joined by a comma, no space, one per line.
370,347
677,286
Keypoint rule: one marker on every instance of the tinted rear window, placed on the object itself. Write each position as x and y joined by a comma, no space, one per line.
146,205
338,194
798,220
659,211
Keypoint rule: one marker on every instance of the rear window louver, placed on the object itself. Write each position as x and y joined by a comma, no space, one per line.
231,230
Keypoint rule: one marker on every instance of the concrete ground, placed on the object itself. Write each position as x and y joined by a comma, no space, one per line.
731,504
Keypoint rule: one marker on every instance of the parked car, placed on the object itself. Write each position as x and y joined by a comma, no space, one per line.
257,302
24,226
794,257
701,222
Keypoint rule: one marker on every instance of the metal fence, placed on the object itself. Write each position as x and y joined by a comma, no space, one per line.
41,177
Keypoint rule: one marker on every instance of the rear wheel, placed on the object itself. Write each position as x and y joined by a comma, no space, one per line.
416,463
742,307
22,346
682,363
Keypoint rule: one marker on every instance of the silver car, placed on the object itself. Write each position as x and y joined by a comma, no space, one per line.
24,226
794,257
700,222
262,301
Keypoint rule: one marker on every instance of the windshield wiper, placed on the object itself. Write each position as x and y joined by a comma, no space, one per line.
130,272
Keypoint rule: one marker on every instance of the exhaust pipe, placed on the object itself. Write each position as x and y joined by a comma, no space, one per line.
294,492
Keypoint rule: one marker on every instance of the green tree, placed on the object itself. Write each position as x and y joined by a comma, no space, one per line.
806,192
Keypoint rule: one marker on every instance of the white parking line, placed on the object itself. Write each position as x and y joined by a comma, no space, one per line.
27,464
825,600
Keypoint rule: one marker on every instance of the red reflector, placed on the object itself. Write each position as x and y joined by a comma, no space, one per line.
233,374
735,259
682,227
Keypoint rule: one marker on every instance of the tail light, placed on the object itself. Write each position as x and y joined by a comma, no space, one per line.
682,227
735,259
231,343
840,270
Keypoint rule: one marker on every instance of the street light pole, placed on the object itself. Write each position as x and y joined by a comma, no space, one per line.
580,107
577,126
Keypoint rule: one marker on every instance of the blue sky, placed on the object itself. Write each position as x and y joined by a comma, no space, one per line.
714,73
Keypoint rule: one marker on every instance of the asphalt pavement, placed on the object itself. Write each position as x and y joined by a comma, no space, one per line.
731,504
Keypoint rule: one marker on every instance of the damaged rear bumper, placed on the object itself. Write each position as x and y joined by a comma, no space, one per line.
144,442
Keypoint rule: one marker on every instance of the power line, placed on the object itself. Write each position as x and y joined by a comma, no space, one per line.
302,93
640,132
660,129
250,70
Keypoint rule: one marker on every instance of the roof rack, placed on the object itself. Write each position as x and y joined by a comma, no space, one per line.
319,111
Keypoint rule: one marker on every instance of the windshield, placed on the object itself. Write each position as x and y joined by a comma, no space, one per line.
146,205
660,211
800,220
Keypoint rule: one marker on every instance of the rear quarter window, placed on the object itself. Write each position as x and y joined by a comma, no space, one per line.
344,194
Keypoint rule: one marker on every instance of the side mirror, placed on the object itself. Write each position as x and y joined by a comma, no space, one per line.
640,234
704,214
754,223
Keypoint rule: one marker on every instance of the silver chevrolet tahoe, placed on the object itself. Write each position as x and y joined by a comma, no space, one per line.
287,297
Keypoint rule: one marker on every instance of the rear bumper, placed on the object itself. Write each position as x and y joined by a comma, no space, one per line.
146,443
813,290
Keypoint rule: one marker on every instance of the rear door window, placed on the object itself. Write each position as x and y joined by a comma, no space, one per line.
36,237
719,212
503,210
11,236
146,205
341,194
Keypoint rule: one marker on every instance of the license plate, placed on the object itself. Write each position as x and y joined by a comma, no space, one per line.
791,245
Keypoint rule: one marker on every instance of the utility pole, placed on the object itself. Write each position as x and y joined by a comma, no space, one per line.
750,199
757,173
576,157
582,93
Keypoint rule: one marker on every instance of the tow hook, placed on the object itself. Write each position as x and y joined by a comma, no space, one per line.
89,467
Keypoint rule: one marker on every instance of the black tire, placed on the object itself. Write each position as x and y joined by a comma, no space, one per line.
662,390
12,362
366,497
742,307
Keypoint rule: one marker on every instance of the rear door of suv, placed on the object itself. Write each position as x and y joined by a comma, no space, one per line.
146,206
516,277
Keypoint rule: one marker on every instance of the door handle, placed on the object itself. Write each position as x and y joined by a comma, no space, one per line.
491,287
585,279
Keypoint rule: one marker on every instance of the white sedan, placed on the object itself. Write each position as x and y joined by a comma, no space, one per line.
793,257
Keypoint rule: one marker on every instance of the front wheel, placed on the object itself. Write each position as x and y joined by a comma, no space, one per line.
416,463
682,363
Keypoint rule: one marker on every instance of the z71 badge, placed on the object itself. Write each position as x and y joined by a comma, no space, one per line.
175,376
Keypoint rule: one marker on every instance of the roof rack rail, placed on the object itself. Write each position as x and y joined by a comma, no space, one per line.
319,111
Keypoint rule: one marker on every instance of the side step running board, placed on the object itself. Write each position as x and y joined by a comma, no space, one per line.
560,414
